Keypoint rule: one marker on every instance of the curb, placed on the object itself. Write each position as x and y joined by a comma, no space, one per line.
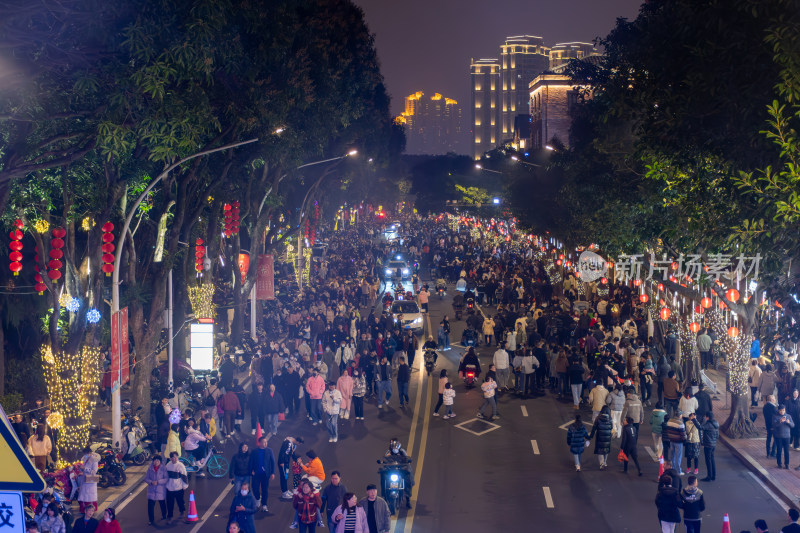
788,498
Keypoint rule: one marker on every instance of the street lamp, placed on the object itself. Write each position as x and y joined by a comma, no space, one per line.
548,147
496,201
116,418
479,167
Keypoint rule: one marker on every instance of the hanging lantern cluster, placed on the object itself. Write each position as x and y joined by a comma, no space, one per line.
199,253
306,229
56,254
108,248
16,248
231,219
40,286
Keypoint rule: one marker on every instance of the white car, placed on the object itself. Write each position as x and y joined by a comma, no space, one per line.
390,270
412,316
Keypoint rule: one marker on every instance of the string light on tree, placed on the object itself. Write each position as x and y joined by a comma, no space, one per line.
93,316
73,305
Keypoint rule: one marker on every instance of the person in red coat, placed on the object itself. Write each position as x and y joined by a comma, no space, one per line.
109,522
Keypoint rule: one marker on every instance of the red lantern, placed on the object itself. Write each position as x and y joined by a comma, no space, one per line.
108,247
694,327
637,282
664,313
732,295
56,244
661,286
578,274
558,261
609,264
706,302
561,256
699,309
604,281
199,253
643,298
16,246
40,286
235,218
733,331
674,265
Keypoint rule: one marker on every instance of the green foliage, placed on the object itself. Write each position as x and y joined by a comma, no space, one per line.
24,377
12,402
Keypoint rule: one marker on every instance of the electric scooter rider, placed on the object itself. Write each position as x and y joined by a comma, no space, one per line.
470,358
396,454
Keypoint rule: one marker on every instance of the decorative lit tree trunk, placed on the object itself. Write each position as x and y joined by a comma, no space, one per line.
738,425
690,357
72,381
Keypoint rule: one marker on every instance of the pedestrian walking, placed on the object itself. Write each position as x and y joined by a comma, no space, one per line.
262,470
443,380
710,434
240,467
243,507
331,405
156,479
753,377
403,378
377,511
332,496
597,399
602,429
349,517
575,373
782,425
345,386
489,400
178,481
39,447
692,445
274,407
501,365
576,440
383,376
769,411
616,401
693,504
315,388
674,431
793,527
307,503
448,396
359,391
668,504
286,461
87,493
630,438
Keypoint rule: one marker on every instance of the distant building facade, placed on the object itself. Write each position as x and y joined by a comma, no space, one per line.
523,58
553,96
433,124
485,82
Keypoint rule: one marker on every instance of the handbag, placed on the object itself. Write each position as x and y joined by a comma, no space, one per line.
621,457
91,478
281,417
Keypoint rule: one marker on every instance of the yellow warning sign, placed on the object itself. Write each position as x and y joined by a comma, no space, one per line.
18,472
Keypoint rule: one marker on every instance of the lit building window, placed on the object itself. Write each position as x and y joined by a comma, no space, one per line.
477,140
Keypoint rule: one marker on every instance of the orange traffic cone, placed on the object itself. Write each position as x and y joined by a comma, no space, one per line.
259,432
726,524
660,466
192,516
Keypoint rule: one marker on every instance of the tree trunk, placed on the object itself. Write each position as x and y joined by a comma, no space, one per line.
237,328
738,425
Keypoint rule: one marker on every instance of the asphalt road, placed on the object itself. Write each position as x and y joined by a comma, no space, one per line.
515,475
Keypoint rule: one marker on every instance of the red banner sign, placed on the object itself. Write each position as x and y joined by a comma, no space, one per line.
265,283
119,338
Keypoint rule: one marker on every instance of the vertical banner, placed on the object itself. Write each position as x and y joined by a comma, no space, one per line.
119,342
265,283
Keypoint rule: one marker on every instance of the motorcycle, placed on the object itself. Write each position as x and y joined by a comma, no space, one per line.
471,306
393,482
112,469
430,361
440,291
470,376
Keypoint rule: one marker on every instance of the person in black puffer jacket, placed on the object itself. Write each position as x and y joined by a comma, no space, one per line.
692,503
603,427
667,502
708,438
240,467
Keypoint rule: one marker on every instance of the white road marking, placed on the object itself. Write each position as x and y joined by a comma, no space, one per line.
211,509
130,497
565,426
524,410
535,446
548,498
772,494
651,453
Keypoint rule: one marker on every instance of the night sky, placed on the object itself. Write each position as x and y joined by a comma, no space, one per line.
426,45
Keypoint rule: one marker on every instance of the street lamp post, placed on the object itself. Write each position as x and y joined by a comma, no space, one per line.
116,415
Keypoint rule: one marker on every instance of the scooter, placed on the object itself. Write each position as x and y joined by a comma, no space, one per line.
430,361
470,376
112,469
471,306
393,482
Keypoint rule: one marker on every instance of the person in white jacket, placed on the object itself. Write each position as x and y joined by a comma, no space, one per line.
448,396
331,404
501,365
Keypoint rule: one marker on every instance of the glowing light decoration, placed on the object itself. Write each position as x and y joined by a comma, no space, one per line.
644,298
73,305
93,316
706,302
201,298
41,226
72,381
56,244
55,420
87,223
664,313
694,327
16,248
64,299
199,253
733,331
175,416
732,295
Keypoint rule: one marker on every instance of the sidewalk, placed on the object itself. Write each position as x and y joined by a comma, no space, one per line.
113,496
752,452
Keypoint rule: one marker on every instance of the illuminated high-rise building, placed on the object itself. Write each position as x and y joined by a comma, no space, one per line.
485,81
563,53
522,58
432,124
